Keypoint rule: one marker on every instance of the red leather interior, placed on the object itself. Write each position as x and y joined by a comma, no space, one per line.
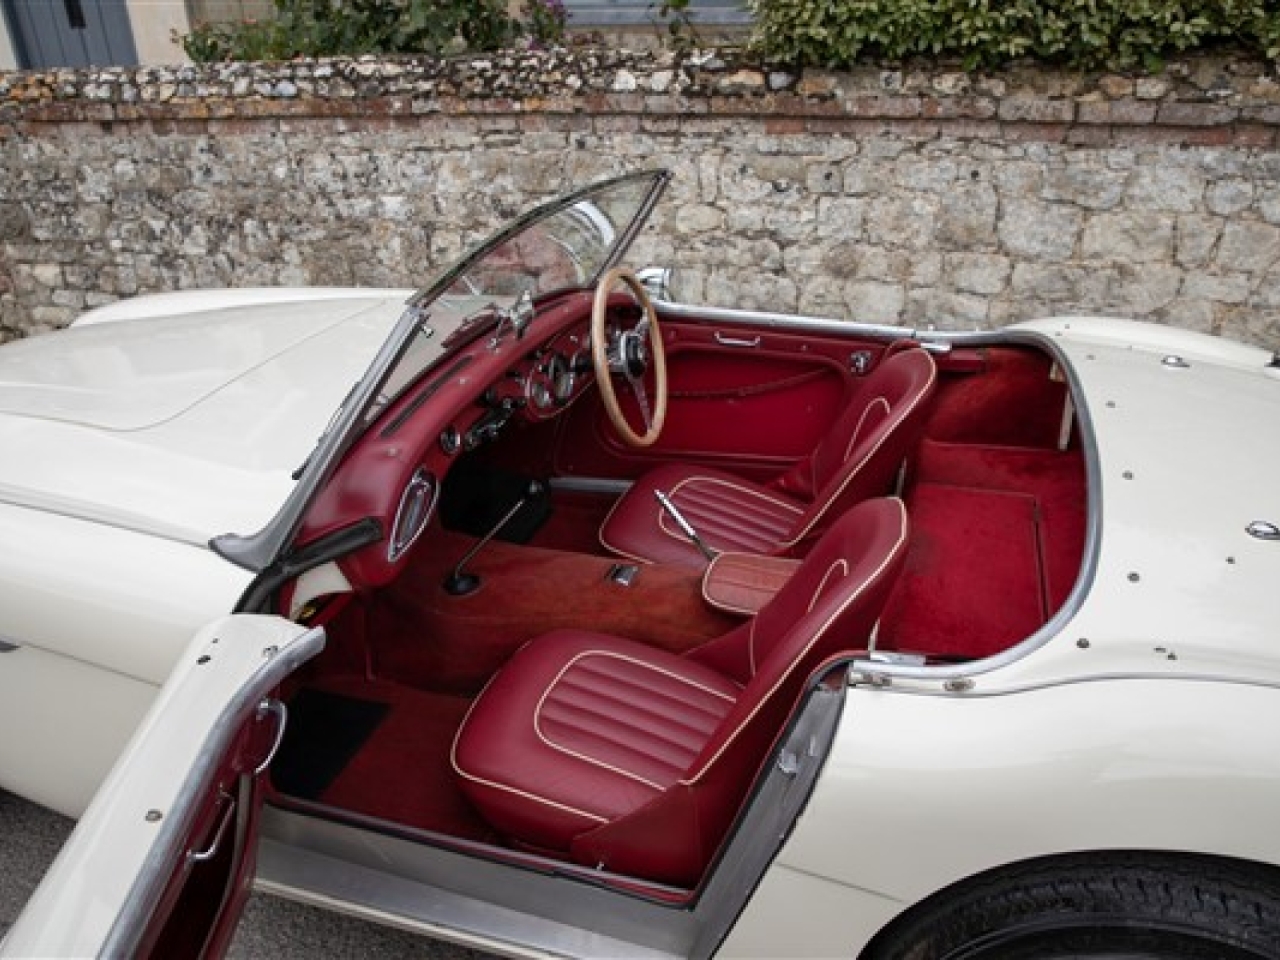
620,755
856,459
743,583
729,514
752,410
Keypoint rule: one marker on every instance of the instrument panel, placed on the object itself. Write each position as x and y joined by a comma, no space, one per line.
558,374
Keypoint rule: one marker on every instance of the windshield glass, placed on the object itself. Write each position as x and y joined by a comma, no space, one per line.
563,245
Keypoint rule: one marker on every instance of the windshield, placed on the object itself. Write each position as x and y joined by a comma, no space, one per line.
563,245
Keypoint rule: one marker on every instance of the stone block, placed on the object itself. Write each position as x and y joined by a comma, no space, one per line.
902,220
982,273
1195,239
1138,237
967,217
1248,246
1039,231
1219,288
870,301
1179,189
1196,114
1085,183
1037,111
1228,197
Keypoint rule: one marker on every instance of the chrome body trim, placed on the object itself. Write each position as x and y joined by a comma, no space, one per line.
786,321
1263,530
423,483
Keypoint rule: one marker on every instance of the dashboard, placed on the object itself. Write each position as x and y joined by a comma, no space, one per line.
394,472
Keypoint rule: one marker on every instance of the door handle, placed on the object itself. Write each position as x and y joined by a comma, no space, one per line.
211,851
727,341
272,706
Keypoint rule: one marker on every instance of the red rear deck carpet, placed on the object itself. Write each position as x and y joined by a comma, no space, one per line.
972,585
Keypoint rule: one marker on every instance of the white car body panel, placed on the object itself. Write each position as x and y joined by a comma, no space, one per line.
920,791
98,614
162,306
102,873
186,428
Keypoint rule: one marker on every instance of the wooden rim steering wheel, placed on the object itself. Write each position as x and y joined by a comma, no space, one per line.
629,353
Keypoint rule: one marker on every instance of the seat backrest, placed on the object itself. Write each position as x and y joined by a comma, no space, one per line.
828,607
859,457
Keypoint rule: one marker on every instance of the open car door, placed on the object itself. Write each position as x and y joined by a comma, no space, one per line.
161,862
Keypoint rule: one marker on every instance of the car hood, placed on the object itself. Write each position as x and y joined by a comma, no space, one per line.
188,424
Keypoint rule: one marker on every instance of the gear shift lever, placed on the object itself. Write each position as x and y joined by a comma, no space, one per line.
459,583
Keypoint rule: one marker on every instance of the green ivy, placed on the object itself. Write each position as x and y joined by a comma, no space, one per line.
1116,34
326,28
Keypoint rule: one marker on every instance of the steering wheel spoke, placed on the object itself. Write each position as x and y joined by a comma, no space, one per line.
630,353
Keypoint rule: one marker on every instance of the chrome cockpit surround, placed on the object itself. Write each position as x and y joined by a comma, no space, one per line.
874,671
789,322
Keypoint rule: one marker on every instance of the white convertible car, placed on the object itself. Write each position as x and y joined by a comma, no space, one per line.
538,613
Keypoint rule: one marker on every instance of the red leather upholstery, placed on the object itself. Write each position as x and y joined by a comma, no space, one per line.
616,754
858,458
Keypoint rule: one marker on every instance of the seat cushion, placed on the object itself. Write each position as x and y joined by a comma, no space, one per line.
729,514
580,729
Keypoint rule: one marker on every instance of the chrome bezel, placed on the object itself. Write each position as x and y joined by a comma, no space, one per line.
400,540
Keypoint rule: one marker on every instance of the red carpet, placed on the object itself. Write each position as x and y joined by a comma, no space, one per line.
402,772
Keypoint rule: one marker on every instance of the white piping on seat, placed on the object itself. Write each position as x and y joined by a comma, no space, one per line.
507,788
891,424
750,491
537,710
691,779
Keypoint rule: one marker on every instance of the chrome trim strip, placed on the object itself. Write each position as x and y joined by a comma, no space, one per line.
397,542
787,321
7,645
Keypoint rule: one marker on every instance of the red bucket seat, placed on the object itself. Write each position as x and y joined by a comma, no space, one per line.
614,754
857,459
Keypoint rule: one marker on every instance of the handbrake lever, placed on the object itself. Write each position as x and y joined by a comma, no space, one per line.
685,526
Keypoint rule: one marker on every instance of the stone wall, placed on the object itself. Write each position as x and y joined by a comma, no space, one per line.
893,195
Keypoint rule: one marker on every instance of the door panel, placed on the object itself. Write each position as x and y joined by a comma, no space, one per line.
160,863
198,911
746,400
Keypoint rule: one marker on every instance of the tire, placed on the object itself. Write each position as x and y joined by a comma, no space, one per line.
1106,907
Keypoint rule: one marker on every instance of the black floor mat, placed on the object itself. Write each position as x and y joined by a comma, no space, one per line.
324,732
477,496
